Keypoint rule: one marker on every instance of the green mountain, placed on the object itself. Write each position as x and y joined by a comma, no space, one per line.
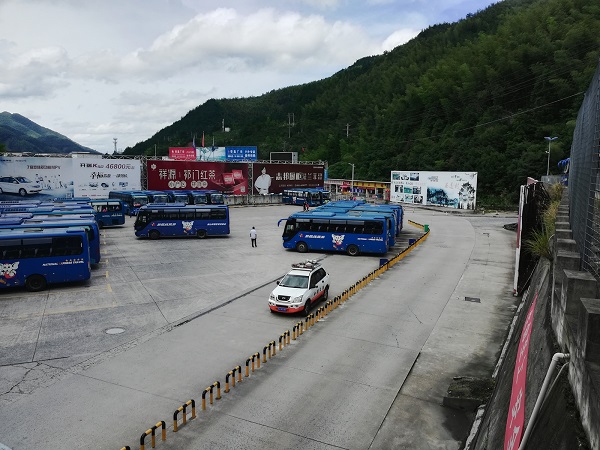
476,95
19,134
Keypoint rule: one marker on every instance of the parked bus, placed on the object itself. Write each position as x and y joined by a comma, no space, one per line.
132,200
157,196
108,212
341,232
178,197
46,210
299,196
360,205
391,218
156,221
35,258
88,224
206,197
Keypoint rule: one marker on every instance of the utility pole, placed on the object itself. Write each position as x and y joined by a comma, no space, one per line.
291,123
115,142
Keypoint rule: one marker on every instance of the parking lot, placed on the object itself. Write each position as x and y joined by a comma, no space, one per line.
142,286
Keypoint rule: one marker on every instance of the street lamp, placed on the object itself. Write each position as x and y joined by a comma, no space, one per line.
549,139
352,182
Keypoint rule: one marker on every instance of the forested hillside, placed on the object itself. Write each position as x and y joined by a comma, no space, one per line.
19,134
476,95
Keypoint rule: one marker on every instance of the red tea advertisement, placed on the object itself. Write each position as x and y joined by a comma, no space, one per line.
229,178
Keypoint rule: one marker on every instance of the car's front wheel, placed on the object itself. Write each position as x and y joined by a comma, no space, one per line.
306,310
22,192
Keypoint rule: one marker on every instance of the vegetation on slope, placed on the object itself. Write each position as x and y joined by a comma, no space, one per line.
477,95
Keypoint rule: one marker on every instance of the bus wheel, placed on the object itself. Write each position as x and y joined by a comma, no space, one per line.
35,283
154,234
302,247
201,234
352,250
100,224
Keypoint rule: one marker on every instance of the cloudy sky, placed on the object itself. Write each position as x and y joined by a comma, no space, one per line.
95,70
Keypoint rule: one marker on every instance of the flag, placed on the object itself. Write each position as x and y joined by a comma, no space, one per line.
203,139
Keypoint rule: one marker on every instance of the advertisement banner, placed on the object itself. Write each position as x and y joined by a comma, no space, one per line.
35,178
211,153
241,153
274,178
182,153
229,178
96,177
450,189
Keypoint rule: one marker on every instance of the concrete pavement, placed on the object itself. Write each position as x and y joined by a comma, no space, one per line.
465,340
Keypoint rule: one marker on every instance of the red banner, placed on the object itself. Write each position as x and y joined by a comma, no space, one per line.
182,153
516,409
274,178
229,178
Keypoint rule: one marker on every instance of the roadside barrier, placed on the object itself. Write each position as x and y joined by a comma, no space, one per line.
285,338
209,389
152,431
232,374
183,409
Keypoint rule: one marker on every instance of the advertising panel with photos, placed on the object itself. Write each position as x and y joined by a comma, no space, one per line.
229,178
451,189
274,178
44,178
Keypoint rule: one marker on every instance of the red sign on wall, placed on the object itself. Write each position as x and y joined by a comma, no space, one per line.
274,178
229,178
516,409
182,153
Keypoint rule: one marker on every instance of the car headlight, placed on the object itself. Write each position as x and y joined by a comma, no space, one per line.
296,299
272,297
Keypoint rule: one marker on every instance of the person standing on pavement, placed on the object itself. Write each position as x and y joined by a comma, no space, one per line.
253,237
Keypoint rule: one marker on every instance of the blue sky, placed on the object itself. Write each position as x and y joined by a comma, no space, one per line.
98,70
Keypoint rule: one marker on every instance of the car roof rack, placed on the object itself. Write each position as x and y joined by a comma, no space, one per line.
308,264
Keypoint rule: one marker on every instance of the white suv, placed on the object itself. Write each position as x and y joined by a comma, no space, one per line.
300,288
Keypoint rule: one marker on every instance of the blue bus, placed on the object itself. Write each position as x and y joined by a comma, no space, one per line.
391,218
341,232
35,258
299,196
88,224
178,197
108,212
157,196
360,205
206,197
132,200
155,221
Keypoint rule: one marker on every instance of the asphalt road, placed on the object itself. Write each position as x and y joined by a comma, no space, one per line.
192,310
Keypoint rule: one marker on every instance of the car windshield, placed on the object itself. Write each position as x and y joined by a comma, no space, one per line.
294,281
23,180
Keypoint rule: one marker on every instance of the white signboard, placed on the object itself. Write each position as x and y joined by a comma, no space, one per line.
36,177
450,189
95,178
44,178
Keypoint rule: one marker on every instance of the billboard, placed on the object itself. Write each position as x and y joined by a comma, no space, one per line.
182,153
50,177
240,153
229,178
274,178
450,189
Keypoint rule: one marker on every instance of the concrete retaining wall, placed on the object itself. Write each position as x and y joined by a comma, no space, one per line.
566,320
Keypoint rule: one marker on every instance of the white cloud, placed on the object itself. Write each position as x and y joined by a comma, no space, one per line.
94,70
